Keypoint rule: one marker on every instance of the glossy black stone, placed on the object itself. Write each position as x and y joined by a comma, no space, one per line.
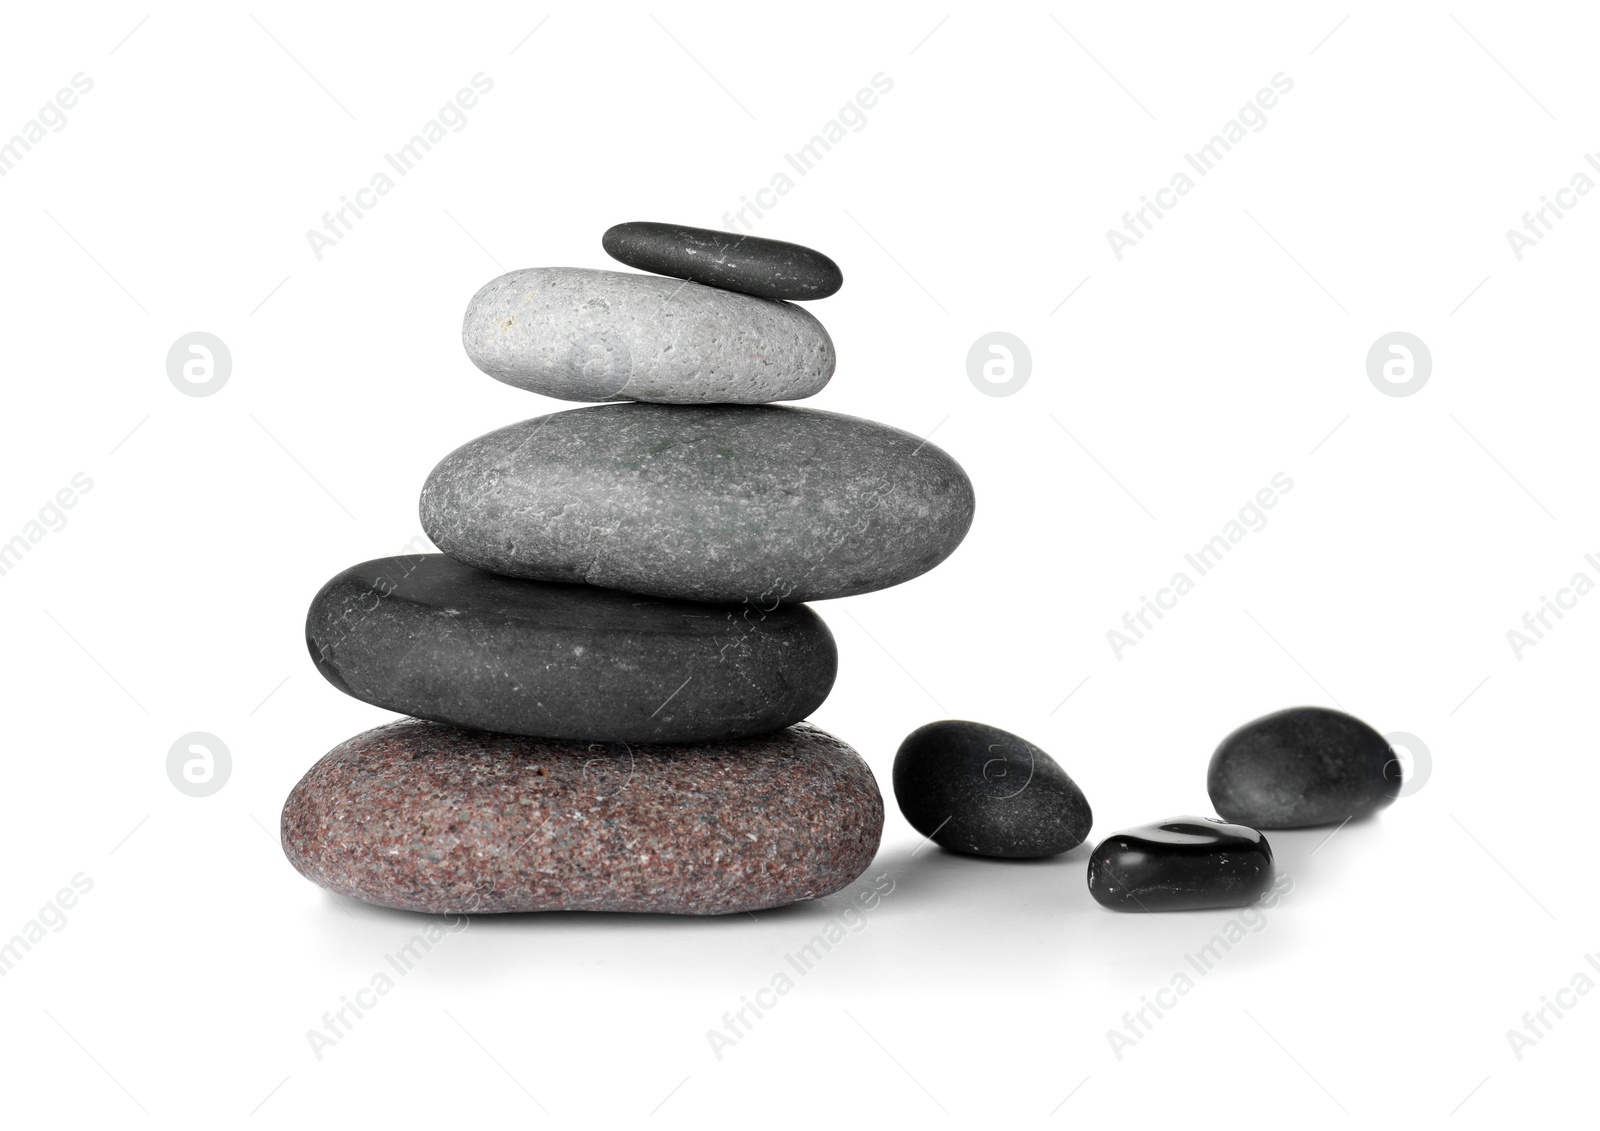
427,636
734,262
1301,767
979,790
1184,864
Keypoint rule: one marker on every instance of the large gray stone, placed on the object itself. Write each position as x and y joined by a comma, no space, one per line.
430,818
759,504
583,335
427,636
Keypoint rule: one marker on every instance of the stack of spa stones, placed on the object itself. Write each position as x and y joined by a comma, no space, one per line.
609,665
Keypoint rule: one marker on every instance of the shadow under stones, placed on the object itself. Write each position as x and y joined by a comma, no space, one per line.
947,916
1312,856
925,878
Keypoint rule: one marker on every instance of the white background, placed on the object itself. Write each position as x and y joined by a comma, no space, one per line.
1228,346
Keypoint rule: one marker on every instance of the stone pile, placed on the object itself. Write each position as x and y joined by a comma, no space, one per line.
609,666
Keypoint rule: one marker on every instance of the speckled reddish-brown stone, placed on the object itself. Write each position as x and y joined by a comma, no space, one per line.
427,817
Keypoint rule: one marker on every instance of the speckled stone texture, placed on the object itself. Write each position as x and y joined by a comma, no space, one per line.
1183,864
732,503
426,817
1301,767
427,636
766,268
982,791
583,335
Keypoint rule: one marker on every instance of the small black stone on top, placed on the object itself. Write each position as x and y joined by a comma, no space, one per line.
764,268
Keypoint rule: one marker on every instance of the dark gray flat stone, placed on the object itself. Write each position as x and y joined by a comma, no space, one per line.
427,636
727,503
1300,767
982,791
767,268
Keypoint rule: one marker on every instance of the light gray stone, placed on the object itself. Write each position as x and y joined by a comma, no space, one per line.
724,503
583,335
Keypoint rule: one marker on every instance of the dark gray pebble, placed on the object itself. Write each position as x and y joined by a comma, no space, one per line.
979,790
1300,767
